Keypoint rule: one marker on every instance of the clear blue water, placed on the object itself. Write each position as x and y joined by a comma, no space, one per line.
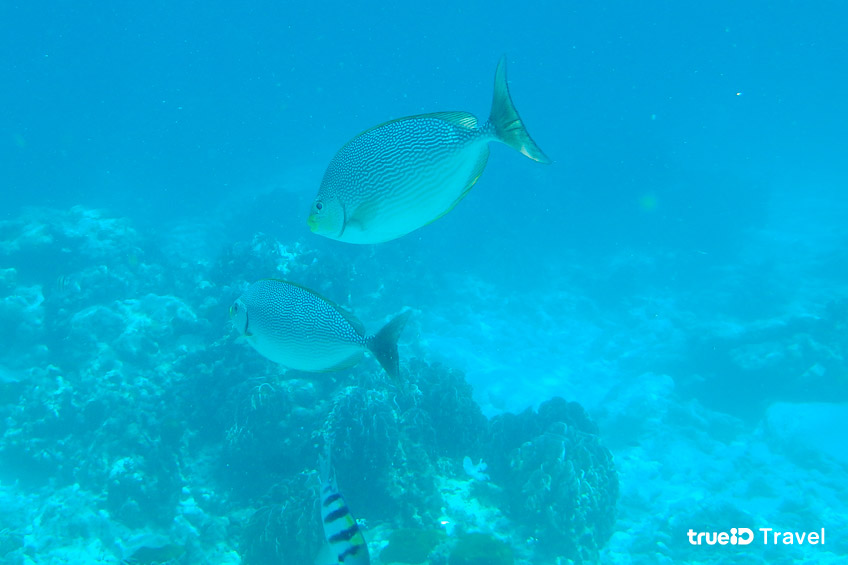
678,271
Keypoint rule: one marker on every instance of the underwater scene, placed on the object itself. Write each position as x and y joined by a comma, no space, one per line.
455,283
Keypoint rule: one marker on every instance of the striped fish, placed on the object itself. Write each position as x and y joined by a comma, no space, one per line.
340,528
302,330
402,175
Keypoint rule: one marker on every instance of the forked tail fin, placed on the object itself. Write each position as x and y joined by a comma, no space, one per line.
506,122
384,344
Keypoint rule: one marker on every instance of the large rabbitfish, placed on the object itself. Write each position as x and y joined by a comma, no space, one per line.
402,175
302,330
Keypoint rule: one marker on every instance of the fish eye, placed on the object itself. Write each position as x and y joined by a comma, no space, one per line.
319,205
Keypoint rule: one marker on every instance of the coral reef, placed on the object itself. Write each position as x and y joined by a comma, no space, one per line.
285,530
444,398
411,546
119,378
268,426
800,355
480,549
549,469
382,470
559,482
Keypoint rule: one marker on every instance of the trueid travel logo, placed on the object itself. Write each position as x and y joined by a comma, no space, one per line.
746,536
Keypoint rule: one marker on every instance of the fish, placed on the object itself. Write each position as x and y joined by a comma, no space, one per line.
300,329
406,173
66,285
341,530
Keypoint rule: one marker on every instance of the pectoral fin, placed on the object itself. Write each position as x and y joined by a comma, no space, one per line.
363,215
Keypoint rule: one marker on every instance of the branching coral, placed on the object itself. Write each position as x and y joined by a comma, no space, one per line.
287,531
269,432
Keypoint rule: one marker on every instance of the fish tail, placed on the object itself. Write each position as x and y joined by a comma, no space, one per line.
506,122
384,344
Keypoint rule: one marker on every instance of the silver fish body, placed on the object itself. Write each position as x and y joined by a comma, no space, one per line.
300,329
406,173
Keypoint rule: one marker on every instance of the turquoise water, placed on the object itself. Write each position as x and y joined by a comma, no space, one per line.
644,338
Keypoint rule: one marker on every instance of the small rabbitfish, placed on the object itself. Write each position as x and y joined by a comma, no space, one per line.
300,329
402,175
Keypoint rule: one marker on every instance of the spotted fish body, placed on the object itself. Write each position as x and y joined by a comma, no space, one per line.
406,173
298,328
340,528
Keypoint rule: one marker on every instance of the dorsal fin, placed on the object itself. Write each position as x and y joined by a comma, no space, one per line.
464,119
459,118
358,326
